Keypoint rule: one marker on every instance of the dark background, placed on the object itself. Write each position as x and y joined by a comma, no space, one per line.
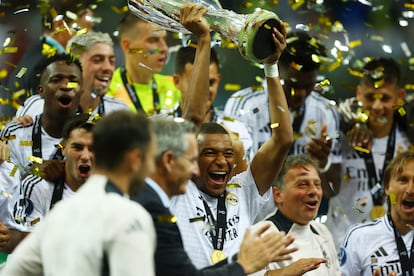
366,21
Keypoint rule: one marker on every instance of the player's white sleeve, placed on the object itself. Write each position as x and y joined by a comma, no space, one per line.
131,252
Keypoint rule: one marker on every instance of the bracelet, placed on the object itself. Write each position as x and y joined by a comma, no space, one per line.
327,166
271,70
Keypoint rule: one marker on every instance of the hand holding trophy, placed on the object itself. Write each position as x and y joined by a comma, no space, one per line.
251,32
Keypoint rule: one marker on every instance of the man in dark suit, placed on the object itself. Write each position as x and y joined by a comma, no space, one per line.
176,162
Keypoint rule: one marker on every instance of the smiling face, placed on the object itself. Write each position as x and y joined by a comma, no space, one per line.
98,65
380,104
60,86
401,193
79,157
216,160
300,196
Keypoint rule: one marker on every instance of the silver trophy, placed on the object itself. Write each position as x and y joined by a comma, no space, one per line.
251,32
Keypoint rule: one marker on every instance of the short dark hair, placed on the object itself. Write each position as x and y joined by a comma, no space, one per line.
294,161
212,128
116,134
81,121
127,23
380,68
301,50
187,55
69,59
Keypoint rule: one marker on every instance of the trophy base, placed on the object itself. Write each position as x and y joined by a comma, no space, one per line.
255,39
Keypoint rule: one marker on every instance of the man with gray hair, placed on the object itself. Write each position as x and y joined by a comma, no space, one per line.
96,54
176,162
298,193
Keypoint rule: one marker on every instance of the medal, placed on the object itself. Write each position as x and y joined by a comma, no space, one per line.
217,256
377,211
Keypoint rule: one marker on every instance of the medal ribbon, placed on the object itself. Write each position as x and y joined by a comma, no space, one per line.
378,196
133,95
218,229
37,141
407,263
101,108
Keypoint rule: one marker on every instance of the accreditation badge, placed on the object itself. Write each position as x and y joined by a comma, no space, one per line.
217,256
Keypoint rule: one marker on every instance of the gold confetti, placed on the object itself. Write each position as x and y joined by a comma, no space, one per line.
358,148
393,198
26,143
355,43
232,87
6,194
378,96
13,171
35,221
35,159
122,10
274,125
296,136
8,138
166,219
227,118
356,72
402,111
48,50
72,84
247,4
21,72
233,185
3,73
136,51
346,177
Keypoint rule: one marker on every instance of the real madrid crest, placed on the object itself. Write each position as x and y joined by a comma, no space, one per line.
232,199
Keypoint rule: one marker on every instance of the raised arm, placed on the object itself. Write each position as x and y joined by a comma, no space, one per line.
269,159
194,101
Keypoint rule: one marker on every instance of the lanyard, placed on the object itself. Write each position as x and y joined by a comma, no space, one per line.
101,108
218,229
37,141
374,182
407,263
297,122
133,95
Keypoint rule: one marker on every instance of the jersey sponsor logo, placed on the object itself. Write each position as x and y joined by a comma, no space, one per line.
387,267
22,209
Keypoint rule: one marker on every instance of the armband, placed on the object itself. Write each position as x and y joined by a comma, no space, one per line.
271,70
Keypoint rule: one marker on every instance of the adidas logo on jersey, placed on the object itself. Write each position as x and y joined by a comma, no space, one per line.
385,267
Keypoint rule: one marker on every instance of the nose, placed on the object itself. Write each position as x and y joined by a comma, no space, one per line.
377,104
163,45
108,65
86,155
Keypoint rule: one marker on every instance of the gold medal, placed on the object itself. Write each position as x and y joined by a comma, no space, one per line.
377,211
217,256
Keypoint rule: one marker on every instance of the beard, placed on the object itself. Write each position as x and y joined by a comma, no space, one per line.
136,186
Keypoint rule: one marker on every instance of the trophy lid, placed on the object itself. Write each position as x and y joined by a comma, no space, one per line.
255,38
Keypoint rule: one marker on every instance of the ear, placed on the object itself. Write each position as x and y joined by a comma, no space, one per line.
358,93
134,159
167,160
40,90
176,80
277,194
124,45
401,94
